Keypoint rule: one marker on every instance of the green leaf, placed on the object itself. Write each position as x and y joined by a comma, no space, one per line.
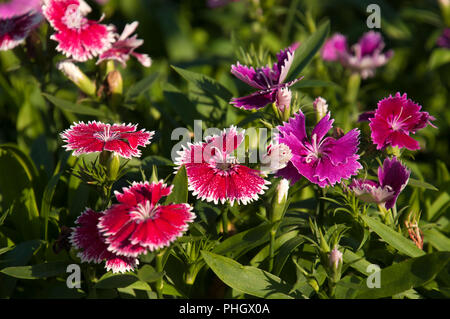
179,193
242,242
249,280
140,87
393,238
148,274
437,239
417,183
50,191
406,275
38,271
438,206
356,262
72,107
17,188
111,280
308,49
284,252
439,56
205,83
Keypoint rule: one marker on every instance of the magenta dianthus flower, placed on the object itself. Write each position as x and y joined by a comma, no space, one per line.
322,160
214,173
392,179
17,19
140,223
364,57
77,37
268,80
97,137
124,47
92,246
393,121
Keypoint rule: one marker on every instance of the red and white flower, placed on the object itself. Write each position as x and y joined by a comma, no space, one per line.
124,47
214,173
139,222
77,37
93,248
95,136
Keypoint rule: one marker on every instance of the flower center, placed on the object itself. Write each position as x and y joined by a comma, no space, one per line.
395,121
144,211
261,76
73,18
107,135
222,162
314,151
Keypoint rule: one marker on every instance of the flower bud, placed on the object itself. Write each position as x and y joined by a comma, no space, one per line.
283,102
279,200
321,107
80,79
335,264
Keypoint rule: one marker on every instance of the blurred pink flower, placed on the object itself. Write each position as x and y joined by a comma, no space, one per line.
17,19
393,121
323,161
77,37
139,222
124,47
444,39
214,174
93,248
364,57
97,137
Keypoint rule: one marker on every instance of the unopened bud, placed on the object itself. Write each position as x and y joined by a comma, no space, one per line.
77,76
282,190
113,167
279,200
321,107
284,96
335,258
115,82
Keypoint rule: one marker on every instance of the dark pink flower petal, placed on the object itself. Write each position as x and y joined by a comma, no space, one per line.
256,100
290,172
251,76
96,136
370,42
394,175
77,37
87,238
139,223
371,192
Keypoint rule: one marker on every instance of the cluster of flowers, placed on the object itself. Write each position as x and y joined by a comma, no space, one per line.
139,222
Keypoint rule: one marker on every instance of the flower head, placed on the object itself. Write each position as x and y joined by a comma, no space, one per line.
322,160
215,174
93,248
139,222
124,47
17,19
97,137
77,37
392,179
364,57
395,118
268,81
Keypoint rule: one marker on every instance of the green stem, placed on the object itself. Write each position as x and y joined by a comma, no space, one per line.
159,268
273,233
225,221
